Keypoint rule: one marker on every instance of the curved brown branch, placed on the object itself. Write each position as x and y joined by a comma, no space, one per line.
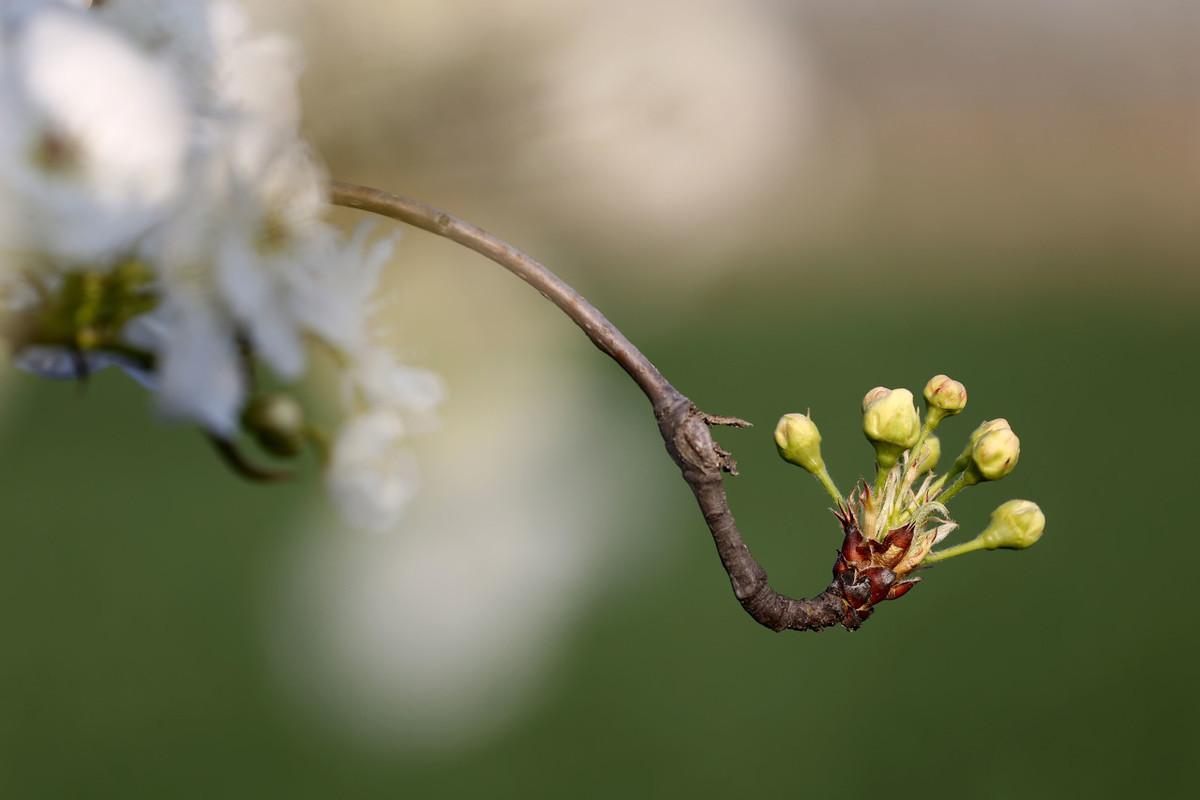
684,428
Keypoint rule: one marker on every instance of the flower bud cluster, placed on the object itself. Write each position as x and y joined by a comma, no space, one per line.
166,135
891,528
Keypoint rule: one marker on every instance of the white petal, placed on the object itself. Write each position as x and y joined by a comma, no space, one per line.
117,126
200,374
371,477
254,295
331,293
384,382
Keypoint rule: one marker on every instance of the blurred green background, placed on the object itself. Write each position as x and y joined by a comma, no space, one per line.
1037,243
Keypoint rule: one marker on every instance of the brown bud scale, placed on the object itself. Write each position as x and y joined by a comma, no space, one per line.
863,574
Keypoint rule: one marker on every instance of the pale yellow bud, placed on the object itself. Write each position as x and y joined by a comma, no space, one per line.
945,394
1016,525
799,442
995,454
987,426
873,395
892,424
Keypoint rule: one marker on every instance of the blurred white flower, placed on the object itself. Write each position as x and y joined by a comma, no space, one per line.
272,223
448,633
178,30
14,12
673,113
156,195
93,139
254,83
332,288
200,374
380,381
371,475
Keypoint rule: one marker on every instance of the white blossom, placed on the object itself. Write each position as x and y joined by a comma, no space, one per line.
156,146
371,476
14,12
331,289
180,31
274,228
379,381
93,138
200,376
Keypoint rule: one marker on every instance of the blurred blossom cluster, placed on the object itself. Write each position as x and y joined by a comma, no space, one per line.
684,124
732,137
673,129
452,631
160,212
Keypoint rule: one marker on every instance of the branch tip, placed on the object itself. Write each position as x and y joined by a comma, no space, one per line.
684,428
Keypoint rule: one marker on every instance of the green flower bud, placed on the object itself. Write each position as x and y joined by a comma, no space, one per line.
931,451
799,442
995,454
1015,525
891,423
987,426
277,423
946,393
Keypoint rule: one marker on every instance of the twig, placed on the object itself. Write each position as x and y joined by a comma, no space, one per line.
684,427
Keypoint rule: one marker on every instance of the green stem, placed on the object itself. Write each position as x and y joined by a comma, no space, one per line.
956,550
961,463
830,486
961,483
880,478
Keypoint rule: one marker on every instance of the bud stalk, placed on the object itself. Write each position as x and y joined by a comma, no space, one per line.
1015,525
